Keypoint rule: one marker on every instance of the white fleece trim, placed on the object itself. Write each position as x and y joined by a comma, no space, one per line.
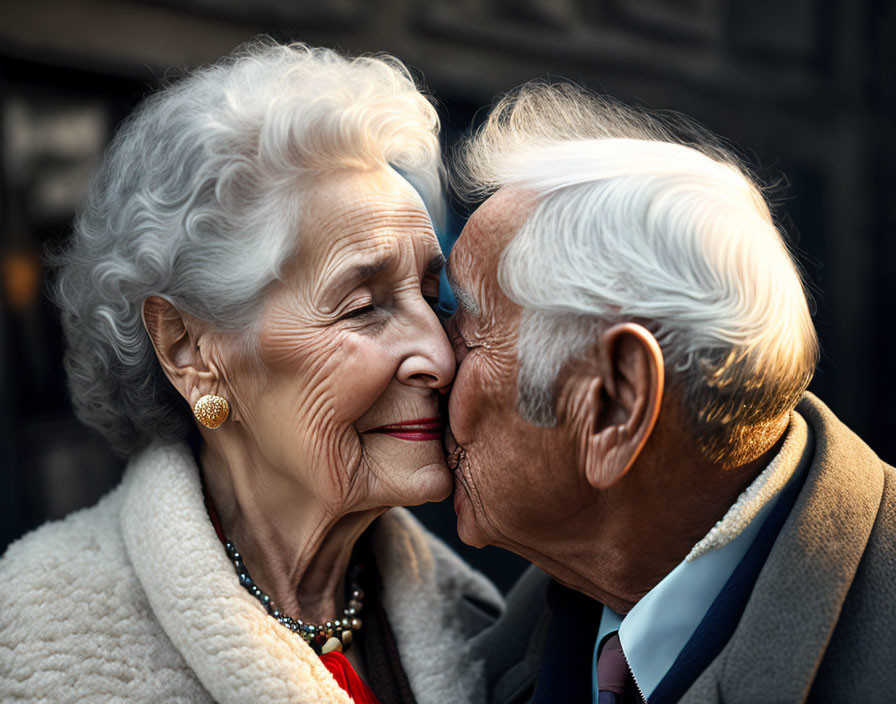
191,584
238,652
134,600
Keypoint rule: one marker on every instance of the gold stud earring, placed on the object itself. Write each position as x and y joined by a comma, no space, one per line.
211,410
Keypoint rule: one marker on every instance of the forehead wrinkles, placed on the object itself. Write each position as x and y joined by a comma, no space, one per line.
492,226
474,265
367,218
364,232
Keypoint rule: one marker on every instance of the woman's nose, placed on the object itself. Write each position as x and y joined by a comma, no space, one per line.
429,358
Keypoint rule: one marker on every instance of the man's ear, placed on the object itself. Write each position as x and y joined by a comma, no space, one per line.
615,402
175,340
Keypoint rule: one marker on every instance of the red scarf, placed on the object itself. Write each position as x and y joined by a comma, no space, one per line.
348,679
335,662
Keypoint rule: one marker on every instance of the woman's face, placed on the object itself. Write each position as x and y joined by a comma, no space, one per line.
343,398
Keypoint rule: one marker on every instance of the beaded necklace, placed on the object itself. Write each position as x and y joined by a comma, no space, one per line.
322,637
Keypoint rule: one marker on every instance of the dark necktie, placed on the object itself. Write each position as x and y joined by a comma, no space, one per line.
615,684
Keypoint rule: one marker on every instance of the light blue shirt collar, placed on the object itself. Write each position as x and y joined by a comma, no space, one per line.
658,627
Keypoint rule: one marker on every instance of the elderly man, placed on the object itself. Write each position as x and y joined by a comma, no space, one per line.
629,413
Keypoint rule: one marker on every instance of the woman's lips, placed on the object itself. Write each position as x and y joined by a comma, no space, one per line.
417,430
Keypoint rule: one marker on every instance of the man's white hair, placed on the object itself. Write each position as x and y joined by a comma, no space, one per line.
201,198
647,220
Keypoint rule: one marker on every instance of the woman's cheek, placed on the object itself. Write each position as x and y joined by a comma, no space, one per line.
328,424
361,376
333,378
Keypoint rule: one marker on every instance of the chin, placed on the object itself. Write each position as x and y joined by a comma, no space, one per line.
432,483
471,535
468,529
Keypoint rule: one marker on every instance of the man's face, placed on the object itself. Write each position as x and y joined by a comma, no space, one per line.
511,477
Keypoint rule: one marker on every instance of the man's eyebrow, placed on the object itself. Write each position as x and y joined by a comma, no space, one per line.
461,295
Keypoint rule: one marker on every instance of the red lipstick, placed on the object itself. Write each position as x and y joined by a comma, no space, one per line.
417,430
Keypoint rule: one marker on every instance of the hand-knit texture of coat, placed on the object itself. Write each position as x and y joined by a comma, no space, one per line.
135,600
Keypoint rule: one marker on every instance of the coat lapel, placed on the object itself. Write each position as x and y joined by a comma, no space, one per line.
238,652
790,616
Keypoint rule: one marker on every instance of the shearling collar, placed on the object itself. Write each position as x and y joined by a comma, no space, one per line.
238,652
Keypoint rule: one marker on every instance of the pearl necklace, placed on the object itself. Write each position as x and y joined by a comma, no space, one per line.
322,637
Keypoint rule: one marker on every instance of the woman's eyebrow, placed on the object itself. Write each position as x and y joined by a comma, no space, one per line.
353,275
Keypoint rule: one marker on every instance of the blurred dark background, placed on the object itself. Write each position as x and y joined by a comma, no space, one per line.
804,87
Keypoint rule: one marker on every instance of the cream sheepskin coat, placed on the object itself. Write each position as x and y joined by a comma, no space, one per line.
135,600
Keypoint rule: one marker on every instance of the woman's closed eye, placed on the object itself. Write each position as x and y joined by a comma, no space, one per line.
361,311
370,308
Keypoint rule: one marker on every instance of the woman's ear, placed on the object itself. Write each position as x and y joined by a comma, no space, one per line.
176,342
615,402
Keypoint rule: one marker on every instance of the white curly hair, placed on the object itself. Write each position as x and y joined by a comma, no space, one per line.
199,200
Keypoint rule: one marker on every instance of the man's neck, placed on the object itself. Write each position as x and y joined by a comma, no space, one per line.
639,530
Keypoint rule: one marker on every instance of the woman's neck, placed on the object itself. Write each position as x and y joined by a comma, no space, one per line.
296,549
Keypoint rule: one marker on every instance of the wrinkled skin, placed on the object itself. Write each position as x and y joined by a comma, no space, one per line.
615,495
296,473
338,359
513,479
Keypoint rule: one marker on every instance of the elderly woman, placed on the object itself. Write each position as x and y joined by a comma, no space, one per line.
248,306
